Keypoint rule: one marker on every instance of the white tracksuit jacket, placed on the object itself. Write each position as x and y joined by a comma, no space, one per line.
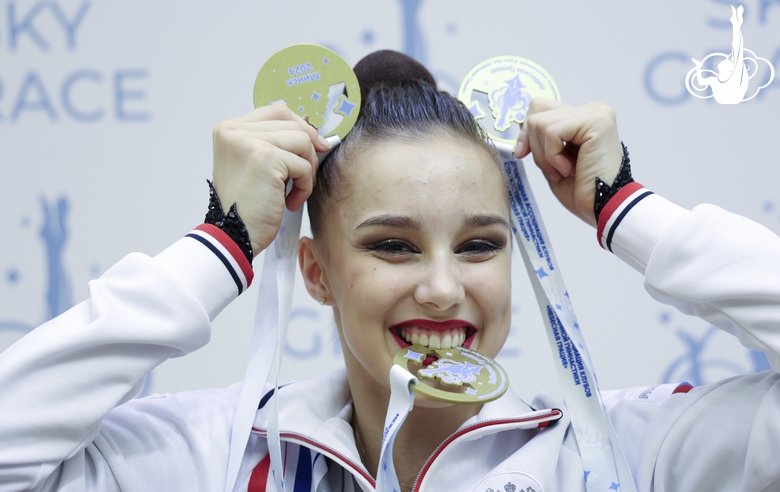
67,421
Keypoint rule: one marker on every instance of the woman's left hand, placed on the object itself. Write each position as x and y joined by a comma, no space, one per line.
572,145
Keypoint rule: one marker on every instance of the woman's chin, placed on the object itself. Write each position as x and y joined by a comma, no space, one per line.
421,401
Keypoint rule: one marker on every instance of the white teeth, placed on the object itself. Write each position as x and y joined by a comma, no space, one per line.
424,339
416,335
446,341
434,342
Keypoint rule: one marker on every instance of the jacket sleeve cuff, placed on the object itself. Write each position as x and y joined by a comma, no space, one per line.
632,222
211,265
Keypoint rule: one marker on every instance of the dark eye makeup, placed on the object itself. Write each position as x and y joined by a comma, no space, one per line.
481,246
393,247
472,247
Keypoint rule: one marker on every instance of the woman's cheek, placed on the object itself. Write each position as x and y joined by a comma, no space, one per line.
493,290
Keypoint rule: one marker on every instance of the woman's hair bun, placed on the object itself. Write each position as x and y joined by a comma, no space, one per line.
390,68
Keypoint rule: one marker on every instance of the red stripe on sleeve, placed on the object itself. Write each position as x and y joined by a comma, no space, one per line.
259,476
613,205
232,247
682,388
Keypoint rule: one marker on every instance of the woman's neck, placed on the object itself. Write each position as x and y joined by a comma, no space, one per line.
423,430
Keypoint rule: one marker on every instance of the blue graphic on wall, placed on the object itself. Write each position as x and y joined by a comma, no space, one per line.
698,368
86,94
772,211
414,45
54,233
59,294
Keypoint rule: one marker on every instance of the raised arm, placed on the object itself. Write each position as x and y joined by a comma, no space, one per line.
65,419
706,262
61,380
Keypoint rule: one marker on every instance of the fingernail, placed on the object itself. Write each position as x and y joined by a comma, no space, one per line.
323,142
518,149
554,177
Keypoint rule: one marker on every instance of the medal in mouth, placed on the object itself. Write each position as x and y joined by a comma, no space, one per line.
456,375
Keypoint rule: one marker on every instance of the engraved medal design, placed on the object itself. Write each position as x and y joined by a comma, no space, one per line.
473,377
498,92
316,83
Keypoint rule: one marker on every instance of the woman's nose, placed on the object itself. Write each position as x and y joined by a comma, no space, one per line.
440,286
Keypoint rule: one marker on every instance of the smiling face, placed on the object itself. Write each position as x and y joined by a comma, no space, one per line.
417,249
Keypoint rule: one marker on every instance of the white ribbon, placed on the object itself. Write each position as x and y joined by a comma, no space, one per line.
272,317
401,403
603,460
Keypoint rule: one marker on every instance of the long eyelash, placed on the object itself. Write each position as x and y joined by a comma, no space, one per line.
485,246
392,247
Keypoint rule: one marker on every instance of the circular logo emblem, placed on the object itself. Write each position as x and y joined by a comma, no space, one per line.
315,83
498,92
509,482
469,376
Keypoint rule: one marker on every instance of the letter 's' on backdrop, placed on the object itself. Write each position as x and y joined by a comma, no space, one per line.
106,111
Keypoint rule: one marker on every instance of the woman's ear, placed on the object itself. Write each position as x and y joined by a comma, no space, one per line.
314,275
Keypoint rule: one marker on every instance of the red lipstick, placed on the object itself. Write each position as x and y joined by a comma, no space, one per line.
437,325
471,330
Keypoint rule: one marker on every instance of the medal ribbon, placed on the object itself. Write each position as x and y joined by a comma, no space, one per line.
272,318
401,403
603,460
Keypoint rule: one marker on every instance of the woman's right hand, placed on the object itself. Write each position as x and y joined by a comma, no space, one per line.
254,157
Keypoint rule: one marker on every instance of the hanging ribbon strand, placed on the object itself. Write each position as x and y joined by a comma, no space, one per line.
603,460
321,87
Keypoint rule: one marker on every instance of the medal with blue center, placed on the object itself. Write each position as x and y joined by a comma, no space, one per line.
458,375
499,91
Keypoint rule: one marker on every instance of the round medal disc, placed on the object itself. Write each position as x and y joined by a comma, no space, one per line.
499,90
316,83
472,377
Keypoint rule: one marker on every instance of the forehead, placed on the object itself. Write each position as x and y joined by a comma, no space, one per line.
425,179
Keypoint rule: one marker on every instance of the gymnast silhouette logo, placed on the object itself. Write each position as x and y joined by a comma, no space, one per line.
730,84
452,372
509,103
54,233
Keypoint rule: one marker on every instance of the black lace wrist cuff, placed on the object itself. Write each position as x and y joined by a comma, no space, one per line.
604,191
231,223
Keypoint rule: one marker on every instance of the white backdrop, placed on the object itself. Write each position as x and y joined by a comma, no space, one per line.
106,110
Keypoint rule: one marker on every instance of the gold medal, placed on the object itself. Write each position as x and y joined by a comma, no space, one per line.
498,92
316,83
472,377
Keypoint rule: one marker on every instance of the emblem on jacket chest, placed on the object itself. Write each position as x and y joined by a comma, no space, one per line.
509,482
510,487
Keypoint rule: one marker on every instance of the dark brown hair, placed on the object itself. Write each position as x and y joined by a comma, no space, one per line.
400,101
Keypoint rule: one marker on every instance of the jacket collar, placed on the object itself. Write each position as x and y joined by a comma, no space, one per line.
320,410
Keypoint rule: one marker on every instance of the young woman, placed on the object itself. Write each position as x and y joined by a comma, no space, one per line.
411,240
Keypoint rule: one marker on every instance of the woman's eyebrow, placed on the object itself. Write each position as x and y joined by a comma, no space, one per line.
397,221
484,220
